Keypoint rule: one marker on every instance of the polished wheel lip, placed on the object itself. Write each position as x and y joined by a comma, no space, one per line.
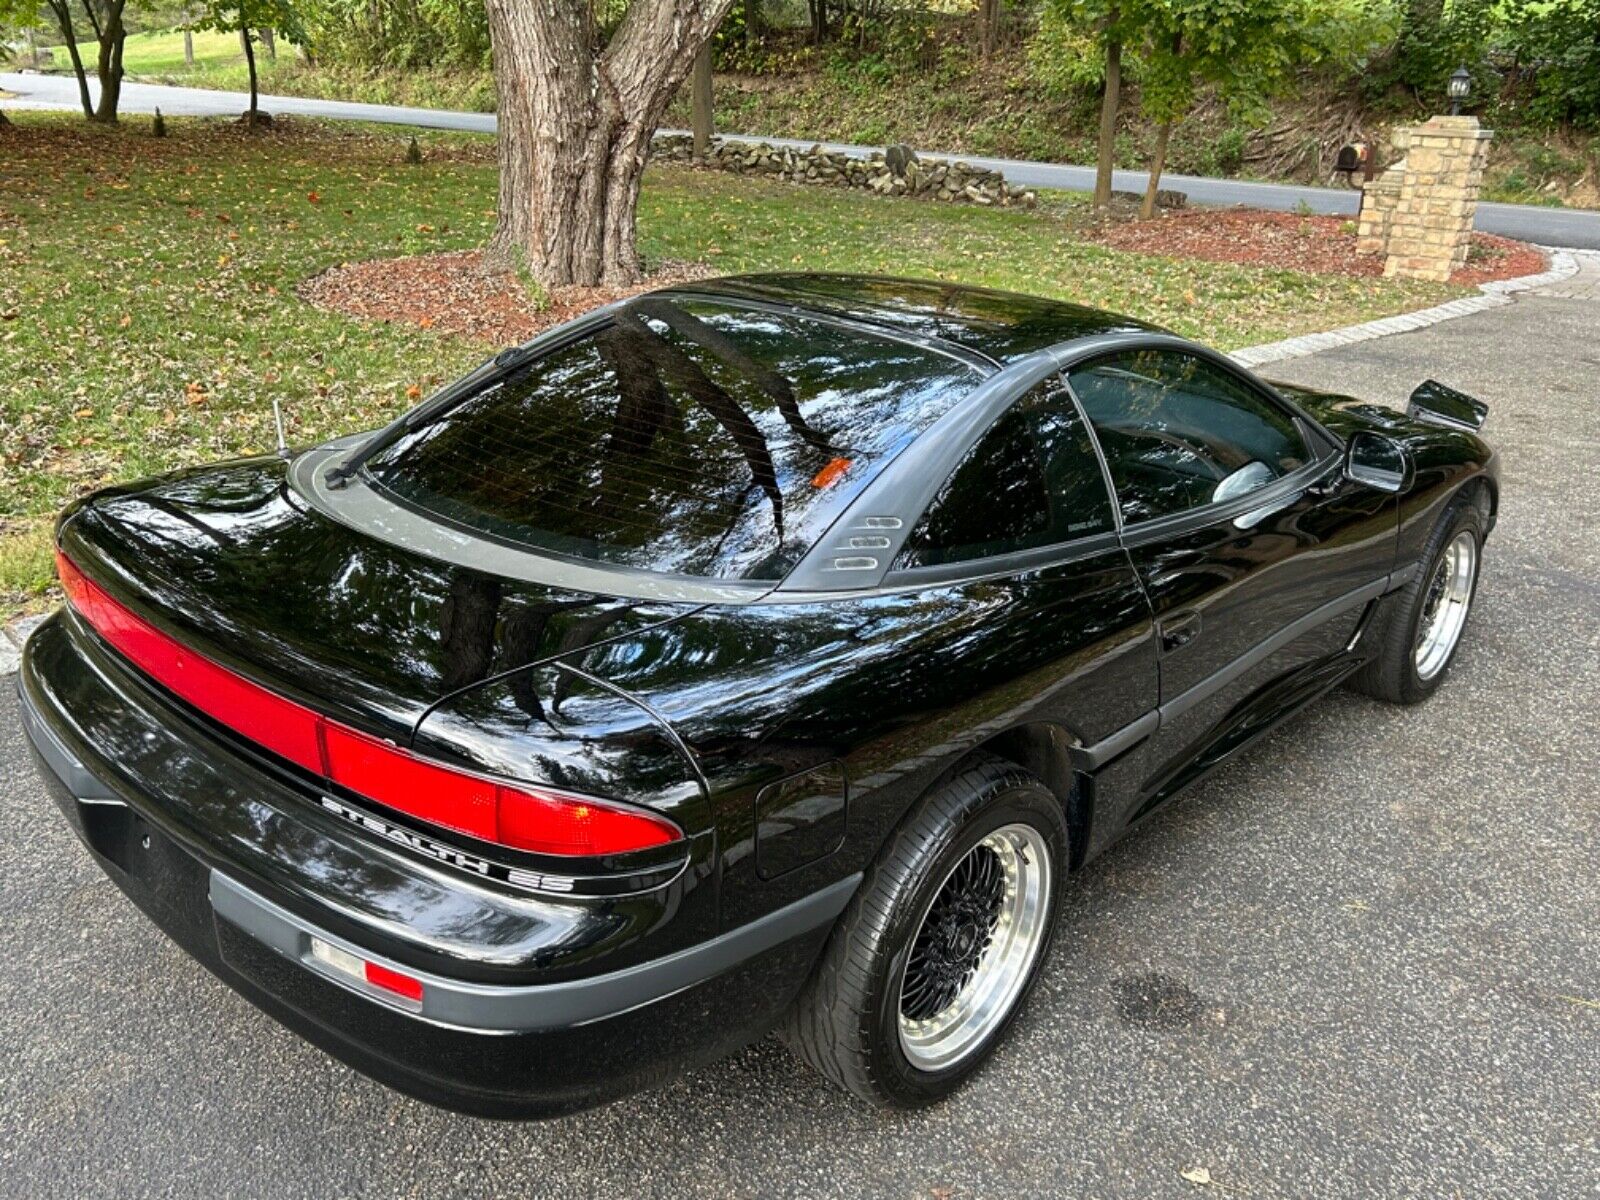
1445,604
987,996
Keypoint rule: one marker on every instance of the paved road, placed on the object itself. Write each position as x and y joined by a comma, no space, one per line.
1545,226
1362,961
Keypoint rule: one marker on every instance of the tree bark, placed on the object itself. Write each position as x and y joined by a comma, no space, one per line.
575,129
1158,162
1109,102
108,63
819,20
188,48
700,100
270,41
63,15
250,61
989,25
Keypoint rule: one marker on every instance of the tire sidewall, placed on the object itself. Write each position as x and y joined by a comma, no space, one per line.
1013,801
1464,517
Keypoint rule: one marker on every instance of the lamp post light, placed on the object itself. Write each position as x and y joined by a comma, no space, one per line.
1460,87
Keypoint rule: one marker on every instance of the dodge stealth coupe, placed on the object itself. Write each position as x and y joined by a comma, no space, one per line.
759,654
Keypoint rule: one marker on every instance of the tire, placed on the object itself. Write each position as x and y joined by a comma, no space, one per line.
847,1022
1401,672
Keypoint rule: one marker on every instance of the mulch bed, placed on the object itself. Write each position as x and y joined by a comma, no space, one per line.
1316,244
452,293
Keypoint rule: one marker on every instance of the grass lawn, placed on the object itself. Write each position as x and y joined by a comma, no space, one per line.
148,314
160,51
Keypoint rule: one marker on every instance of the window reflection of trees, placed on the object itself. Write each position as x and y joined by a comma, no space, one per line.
684,437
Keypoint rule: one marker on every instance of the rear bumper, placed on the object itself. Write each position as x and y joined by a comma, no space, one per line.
539,1036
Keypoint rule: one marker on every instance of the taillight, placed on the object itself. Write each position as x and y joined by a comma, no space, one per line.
521,817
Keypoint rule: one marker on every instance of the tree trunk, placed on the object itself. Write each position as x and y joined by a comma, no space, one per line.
270,41
63,16
700,101
188,48
82,74
988,25
1108,123
250,61
752,22
819,20
575,130
108,64
1158,162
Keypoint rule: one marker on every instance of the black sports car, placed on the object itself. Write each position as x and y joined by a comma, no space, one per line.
759,653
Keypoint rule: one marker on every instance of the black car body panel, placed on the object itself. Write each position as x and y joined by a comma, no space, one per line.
785,726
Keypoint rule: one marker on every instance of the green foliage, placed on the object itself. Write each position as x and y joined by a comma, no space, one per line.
1435,37
404,34
1245,51
1554,46
1063,54
231,16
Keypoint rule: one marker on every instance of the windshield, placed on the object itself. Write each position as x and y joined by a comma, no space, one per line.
691,437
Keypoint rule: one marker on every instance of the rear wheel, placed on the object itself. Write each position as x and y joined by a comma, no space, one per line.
940,946
1424,628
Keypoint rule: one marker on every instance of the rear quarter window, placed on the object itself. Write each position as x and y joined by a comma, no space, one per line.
1032,480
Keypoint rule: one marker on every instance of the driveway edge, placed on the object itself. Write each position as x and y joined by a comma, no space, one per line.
11,638
1563,265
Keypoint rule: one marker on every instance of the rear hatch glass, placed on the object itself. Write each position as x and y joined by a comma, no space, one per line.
689,436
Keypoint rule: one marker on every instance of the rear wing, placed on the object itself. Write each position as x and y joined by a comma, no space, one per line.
1436,404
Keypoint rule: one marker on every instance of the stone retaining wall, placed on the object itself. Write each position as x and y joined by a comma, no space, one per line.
899,172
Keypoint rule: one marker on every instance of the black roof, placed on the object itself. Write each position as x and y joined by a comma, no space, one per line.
1001,326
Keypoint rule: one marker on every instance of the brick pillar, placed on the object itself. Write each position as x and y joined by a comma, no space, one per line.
1430,224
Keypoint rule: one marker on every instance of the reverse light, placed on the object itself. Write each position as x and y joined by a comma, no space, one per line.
539,820
352,966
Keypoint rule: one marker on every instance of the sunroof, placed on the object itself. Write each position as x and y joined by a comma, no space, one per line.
688,436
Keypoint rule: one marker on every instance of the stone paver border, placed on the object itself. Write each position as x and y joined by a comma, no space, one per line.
1564,264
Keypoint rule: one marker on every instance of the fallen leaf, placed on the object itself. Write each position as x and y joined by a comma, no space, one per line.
1196,1175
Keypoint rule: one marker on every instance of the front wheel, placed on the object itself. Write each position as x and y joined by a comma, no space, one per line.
934,956
1422,634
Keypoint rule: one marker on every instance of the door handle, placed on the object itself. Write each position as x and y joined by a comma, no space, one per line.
1178,630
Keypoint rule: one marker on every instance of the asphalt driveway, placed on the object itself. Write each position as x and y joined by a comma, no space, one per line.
1363,961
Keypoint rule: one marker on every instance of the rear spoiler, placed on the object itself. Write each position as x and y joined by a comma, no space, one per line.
1436,404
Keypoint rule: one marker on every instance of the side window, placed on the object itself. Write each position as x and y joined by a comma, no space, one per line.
1179,432
1032,480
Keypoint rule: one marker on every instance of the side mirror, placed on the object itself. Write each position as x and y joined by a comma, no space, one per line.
1375,461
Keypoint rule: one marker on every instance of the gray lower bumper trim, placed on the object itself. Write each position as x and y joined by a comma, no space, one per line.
498,1009
80,781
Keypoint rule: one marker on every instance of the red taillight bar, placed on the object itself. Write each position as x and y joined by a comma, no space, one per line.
545,822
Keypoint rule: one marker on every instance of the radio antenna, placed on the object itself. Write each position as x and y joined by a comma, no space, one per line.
277,418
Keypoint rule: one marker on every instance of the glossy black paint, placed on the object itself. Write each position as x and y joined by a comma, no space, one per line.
787,735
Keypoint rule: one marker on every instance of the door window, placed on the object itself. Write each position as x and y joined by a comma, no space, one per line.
1179,432
1031,481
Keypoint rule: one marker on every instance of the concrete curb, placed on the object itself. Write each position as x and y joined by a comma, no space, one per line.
11,638
1563,265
